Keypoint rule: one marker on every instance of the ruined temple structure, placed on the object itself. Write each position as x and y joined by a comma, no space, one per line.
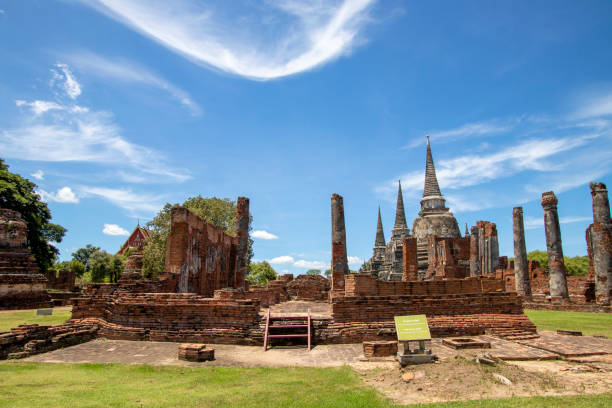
136,240
21,284
553,288
435,249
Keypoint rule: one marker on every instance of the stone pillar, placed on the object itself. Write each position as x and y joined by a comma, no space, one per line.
409,256
521,271
601,241
339,262
474,253
242,234
556,267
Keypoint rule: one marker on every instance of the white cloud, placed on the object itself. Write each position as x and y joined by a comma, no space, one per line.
77,134
114,229
130,72
475,169
63,195
594,106
261,234
283,37
311,264
38,175
466,130
535,222
39,107
282,260
125,198
64,78
355,260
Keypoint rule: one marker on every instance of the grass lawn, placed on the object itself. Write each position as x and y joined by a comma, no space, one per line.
587,323
118,385
9,320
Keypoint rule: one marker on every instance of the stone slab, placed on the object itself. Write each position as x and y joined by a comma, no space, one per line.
570,346
44,312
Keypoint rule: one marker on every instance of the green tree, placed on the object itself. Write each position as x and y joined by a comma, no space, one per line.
217,211
313,272
17,193
577,265
327,273
74,266
82,255
105,267
260,273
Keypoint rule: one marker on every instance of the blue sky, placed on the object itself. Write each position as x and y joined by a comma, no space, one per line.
115,107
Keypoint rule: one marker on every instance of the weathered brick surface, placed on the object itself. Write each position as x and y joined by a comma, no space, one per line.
409,257
29,339
195,352
21,284
309,287
60,280
367,285
379,348
448,258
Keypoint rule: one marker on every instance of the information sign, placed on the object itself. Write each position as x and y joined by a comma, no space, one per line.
412,328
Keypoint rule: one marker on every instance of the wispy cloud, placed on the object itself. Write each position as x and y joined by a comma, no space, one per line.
309,264
463,131
125,198
261,234
63,78
534,222
264,41
114,230
63,195
77,134
38,175
596,105
129,72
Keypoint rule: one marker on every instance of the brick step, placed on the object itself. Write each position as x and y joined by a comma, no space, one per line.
287,336
526,337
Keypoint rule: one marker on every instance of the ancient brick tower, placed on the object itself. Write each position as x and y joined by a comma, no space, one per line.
434,218
21,284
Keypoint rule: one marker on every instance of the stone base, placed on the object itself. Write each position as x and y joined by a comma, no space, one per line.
408,359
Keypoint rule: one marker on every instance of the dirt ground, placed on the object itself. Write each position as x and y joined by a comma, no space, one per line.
455,376
462,378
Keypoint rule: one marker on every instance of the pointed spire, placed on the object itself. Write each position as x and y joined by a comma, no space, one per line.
467,232
400,216
380,234
431,182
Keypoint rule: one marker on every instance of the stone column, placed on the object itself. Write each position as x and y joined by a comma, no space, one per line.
474,253
521,271
601,240
242,235
339,262
556,267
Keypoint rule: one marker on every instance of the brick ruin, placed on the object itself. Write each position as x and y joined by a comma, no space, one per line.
552,288
21,284
436,249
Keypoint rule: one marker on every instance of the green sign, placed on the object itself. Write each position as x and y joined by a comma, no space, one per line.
412,328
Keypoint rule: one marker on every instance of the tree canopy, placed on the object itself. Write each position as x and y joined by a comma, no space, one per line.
220,212
577,265
17,193
313,272
260,273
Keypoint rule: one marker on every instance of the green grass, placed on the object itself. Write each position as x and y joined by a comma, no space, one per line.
13,319
119,385
587,323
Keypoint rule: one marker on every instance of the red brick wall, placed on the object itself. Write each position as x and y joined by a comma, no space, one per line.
409,257
206,251
368,285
